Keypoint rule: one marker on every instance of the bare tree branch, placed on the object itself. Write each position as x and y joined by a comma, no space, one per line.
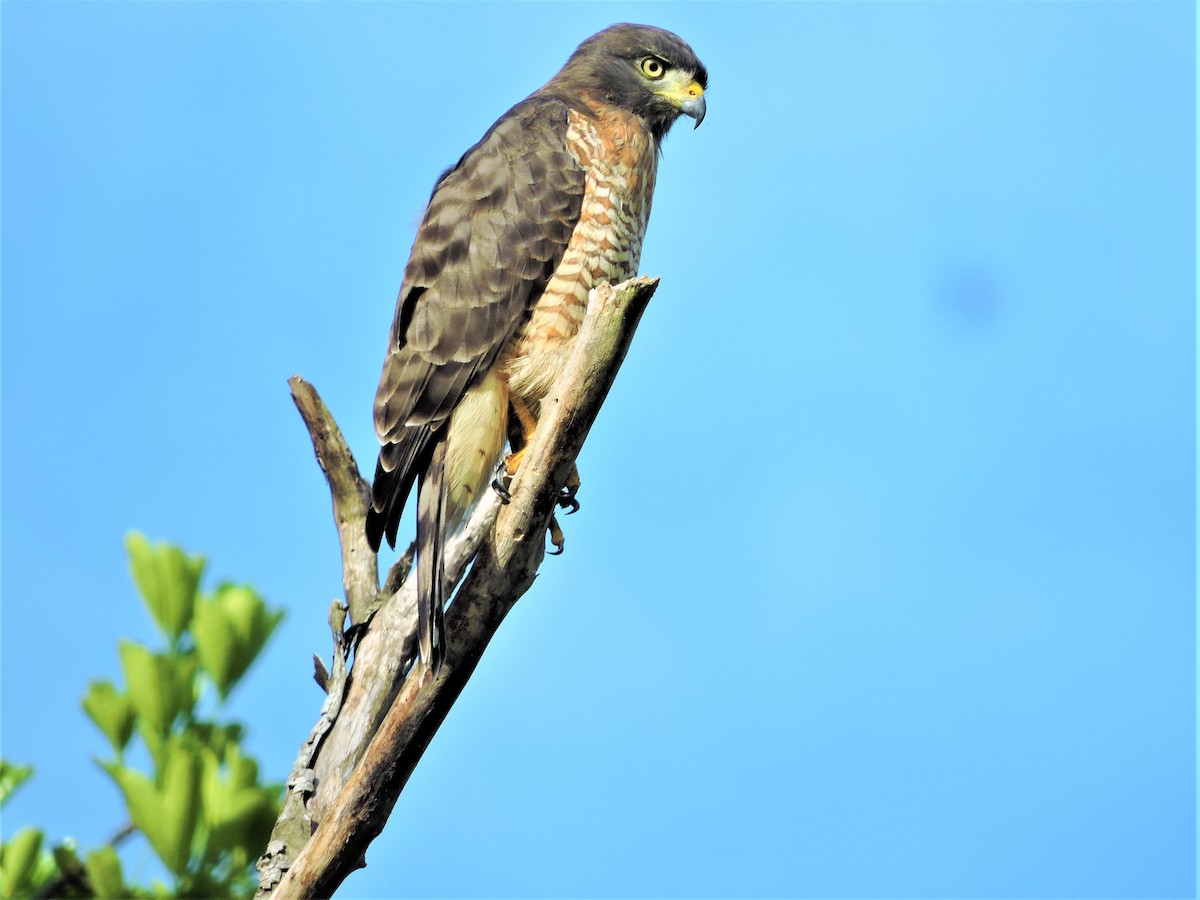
353,771
351,498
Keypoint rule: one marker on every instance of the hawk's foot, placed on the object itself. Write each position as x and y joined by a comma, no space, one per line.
566,500
512,461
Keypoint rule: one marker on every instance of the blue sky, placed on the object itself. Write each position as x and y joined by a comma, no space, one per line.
884,581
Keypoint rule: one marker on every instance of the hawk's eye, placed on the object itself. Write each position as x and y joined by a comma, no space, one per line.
652,67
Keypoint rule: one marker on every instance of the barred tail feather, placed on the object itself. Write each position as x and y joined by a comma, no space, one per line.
431,535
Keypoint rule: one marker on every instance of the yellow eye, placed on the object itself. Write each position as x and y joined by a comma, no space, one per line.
653,67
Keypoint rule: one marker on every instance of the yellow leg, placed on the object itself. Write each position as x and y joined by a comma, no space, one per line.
528,425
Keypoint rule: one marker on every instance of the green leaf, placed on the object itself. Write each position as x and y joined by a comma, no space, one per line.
46,870
155,743
231,627
161,685
66,859
181,804
243,770
151,684
204,886
12,777
238,812
112,712
167,579
166,815
104,872
141,800
183,674
18,858
217,738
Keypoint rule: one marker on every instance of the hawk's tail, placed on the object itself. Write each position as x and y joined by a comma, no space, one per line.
420,458
395,474
432,491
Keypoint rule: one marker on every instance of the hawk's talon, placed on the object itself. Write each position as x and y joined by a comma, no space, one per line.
556,537
500,483
566,497
566,500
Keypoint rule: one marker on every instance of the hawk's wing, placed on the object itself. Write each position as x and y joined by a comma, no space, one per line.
495,230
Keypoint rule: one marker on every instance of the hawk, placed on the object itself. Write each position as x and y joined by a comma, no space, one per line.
552,200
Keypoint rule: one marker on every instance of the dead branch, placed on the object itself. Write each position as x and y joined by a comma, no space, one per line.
351,497
376,724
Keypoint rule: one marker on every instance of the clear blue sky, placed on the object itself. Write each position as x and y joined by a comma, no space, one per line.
884,581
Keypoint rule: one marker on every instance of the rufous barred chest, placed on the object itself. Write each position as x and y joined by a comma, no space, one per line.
617,153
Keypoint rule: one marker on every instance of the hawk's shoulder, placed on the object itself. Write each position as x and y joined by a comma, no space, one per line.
537,126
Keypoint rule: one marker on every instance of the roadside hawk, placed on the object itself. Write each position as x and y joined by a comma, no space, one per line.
553,200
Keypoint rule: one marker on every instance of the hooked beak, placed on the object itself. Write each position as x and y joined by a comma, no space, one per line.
693,102
688,98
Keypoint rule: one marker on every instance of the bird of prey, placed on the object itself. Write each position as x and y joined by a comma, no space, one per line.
553,200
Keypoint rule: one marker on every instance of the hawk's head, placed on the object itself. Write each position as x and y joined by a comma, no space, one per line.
646,70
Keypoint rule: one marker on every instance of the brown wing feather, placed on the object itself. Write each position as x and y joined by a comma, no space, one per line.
495,229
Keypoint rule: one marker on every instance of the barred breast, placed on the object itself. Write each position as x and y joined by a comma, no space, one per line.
620,158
